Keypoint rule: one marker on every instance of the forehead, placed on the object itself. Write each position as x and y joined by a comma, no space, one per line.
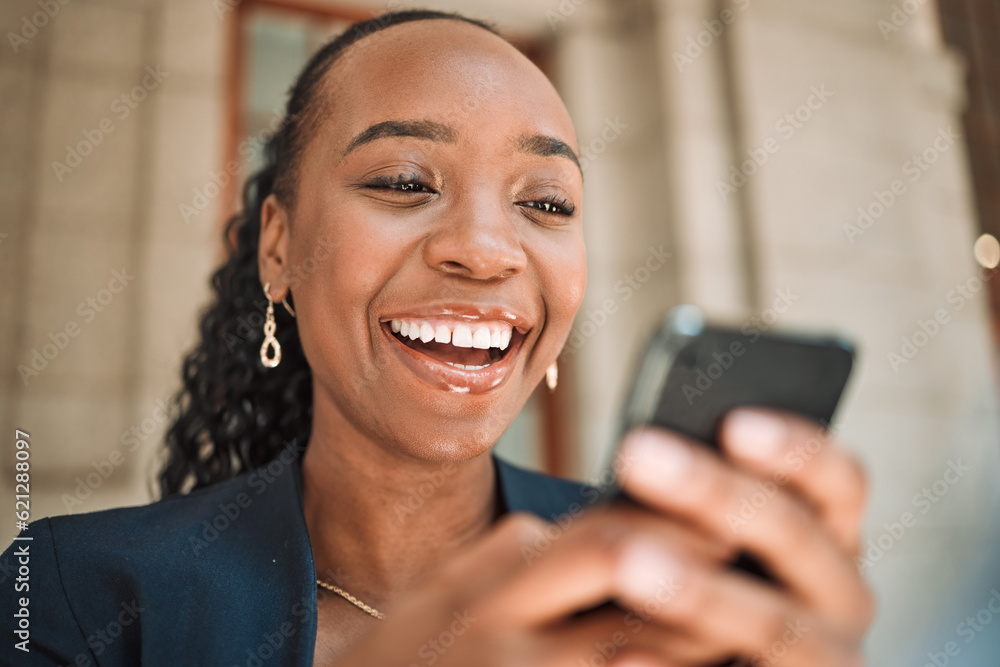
444,70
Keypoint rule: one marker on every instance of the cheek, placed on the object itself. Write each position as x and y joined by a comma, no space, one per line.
337,272
564,280
365,250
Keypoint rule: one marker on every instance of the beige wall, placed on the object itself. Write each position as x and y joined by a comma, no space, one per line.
658,138
876,103
115,210
908,422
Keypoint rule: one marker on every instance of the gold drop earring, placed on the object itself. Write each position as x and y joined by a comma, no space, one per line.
269,328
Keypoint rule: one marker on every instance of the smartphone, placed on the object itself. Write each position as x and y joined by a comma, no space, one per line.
692,373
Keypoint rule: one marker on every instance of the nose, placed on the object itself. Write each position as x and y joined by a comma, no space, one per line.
477,237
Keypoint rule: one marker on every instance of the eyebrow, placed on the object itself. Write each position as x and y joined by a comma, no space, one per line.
546,146
422,129
536,144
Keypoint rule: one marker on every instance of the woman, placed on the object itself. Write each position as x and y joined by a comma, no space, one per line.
415,243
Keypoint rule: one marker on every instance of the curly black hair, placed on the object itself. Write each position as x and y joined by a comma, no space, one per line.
233,414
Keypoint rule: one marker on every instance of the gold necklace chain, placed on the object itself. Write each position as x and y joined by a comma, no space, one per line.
350,598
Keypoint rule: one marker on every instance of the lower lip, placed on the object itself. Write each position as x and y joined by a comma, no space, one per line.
448,378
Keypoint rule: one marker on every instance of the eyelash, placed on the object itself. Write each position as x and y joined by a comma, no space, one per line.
555,205
386,182
560,205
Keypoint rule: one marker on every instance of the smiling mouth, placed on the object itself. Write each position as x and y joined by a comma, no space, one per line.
466,346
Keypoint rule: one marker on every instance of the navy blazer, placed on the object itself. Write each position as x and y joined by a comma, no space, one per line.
221,576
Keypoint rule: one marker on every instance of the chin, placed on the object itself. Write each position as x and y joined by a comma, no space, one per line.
448,437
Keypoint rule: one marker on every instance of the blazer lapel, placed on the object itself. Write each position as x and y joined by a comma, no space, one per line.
548,497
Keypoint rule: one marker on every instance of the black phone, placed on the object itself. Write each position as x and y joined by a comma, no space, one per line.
692,373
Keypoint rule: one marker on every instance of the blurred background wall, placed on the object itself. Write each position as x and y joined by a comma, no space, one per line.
779,163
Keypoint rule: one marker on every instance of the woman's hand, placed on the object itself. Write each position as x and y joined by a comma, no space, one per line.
784,493
792,498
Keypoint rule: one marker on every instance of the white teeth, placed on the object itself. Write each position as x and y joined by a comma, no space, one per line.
482,336
481,339
462,336
469,367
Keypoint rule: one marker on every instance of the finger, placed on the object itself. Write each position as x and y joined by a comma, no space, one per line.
633,632
611,636
577,568
520,538
687,480
800,453
692,540
724,613
688,539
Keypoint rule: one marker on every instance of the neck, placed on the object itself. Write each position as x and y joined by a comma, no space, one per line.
380,519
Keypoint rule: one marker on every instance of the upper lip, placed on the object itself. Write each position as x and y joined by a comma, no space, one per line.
464,311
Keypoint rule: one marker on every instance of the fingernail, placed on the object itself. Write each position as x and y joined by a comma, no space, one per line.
654,458
646,567
755,435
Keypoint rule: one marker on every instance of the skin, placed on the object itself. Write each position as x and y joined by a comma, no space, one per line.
476,235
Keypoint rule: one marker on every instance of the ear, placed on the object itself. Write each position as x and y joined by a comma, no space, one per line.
272,253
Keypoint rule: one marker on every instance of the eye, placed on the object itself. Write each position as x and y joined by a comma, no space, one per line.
553,205
399,183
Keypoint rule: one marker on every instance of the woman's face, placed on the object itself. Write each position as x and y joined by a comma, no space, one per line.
439,196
